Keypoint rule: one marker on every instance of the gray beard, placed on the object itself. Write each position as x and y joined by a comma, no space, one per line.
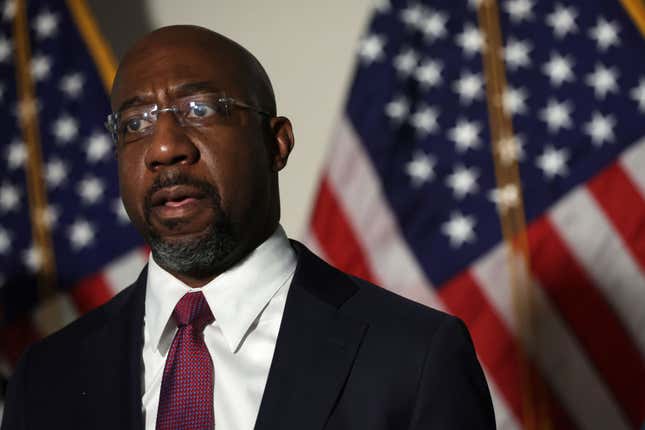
199,257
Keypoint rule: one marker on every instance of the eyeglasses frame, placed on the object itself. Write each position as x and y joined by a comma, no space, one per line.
111,123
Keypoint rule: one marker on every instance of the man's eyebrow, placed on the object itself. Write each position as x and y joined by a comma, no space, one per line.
195,87
132,101
181,90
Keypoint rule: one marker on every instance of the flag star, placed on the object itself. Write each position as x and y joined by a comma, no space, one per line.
514,100
55,172
459,229
80,234
72,85
65,129
553,162
5,49
405,62
420,168
505,197
9,10
398,109
563,20
463,181
638,94
16,154
428,74
45,24
5,241
559,69
371,49
516,53
433,25
424,120
603,80
50,215
519,10
381,6
9,197
40,67
90,189
469,87
557,115
600,128
605,33
32,258
98,146
119,211
470,40
510,149
465,134
412,15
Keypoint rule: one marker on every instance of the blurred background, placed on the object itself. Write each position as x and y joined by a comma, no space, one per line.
483,157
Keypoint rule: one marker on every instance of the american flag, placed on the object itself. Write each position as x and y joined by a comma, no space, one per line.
66,244
490,162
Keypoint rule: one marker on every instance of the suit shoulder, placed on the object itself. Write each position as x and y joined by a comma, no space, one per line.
381,303
361,298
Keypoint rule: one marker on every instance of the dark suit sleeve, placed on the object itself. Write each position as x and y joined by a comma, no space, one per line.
14,409
453,393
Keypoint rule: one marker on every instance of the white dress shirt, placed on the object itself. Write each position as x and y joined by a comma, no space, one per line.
247,302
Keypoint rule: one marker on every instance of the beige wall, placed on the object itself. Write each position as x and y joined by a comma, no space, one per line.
307,46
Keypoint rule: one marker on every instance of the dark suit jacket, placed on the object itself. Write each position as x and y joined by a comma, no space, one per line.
349,355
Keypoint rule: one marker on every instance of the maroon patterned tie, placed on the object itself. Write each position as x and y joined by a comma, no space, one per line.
186,399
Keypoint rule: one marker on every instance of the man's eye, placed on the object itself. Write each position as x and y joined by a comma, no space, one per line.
136,125
200,110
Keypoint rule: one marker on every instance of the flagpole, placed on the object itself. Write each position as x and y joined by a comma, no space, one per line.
636,11
97,46
37,195
511,212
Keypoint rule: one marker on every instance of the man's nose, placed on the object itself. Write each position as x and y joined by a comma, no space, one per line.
170,145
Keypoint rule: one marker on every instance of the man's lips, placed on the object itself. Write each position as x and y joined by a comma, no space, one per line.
176,196
178,201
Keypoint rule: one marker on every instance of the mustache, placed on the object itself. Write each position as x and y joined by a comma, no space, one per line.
180,178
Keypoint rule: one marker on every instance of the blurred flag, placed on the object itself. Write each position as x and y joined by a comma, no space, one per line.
65,242
490,161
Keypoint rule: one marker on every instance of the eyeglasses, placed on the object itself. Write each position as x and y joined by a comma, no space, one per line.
201,110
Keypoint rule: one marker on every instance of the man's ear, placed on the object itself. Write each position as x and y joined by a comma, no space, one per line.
283,141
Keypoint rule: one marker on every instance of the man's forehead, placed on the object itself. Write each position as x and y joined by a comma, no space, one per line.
176,69
181,54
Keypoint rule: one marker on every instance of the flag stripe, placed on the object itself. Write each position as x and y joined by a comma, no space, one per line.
619,197
633,160
552,347
594,322
91,292
504,418
604,257
358,189
336,235
123,271
496,346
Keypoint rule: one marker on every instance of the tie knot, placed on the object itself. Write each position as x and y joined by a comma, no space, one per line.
192,309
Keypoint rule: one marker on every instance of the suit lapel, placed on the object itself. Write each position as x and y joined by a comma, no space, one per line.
112,357
315,349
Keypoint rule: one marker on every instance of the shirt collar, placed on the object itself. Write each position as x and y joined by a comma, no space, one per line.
236,297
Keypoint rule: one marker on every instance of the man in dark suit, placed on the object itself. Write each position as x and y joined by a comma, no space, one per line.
275,338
